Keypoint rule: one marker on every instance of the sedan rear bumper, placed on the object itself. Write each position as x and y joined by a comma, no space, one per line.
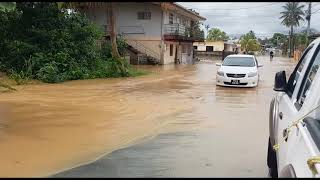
244,82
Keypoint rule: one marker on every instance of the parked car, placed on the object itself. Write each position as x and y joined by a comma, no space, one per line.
294,119
238,70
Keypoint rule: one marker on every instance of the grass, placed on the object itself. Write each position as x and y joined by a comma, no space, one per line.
137,72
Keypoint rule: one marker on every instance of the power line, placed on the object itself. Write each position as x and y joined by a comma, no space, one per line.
315,11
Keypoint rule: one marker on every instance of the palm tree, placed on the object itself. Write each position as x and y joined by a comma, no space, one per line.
291,17
207,28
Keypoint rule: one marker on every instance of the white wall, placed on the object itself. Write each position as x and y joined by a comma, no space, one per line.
184,57
127,16
177,18
167,58
187,56
147,32
127,20
98,15
217,45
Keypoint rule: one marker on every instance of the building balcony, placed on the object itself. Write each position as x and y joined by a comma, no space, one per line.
177,32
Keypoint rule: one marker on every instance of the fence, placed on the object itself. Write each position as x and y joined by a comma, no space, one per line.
213,55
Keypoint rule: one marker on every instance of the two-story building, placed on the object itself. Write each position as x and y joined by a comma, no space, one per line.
158,32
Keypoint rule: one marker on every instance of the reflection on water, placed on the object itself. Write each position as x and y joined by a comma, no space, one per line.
47,128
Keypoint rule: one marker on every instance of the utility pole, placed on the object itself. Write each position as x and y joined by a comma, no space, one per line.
308,17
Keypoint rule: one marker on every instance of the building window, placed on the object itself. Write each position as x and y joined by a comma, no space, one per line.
195,47
209,48
171,49
144,15
170,18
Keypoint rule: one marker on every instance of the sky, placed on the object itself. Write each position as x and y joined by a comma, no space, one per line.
236,18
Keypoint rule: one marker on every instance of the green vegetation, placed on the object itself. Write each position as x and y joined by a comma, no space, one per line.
301,41
249,43
7,6
42,41
216,34
291,17
6,86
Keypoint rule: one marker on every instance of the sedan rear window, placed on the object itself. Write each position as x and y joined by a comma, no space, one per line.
239,61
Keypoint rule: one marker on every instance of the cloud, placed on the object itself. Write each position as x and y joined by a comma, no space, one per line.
238,18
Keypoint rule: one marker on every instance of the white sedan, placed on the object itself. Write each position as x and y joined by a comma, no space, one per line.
238,71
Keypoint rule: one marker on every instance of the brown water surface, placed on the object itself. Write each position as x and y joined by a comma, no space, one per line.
46,128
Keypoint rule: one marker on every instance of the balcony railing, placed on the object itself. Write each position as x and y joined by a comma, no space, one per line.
181,32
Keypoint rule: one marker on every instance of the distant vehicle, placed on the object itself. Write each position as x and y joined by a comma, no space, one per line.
238,70
294,119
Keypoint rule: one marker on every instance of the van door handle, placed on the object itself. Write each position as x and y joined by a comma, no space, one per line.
280,115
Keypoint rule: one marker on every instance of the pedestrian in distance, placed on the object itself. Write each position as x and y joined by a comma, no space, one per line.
271,55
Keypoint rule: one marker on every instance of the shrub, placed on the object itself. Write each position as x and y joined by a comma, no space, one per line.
41,41
49,73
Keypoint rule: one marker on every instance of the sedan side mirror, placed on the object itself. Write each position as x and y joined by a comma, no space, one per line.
218,64
280,81
260,65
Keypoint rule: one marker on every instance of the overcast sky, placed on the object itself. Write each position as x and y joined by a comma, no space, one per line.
240,17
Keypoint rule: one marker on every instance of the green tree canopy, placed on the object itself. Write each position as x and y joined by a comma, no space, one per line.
41,41
249,42
7,6
301,41
251,35
278,38
216,34
291,17
292,14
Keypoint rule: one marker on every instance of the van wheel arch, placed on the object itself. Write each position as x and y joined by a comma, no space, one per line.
288,171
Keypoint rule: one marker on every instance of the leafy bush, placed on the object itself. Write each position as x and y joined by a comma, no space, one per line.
41,41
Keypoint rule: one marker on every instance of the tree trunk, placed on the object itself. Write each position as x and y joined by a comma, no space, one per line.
291,42
113,33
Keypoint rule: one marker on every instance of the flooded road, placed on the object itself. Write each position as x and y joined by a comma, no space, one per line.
172,123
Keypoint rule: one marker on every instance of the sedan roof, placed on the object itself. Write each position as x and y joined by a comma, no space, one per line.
240,55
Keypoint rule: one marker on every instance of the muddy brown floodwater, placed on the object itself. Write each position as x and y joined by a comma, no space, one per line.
49,128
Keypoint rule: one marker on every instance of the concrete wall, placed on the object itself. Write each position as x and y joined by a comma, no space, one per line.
146,32
217,45
128,22
186,57
177,18
98,15
167,59
229,47
153,45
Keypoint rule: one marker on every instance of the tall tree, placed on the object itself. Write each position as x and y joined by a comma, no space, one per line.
251,34
112,23
291,17
7,6
216,34
207,28
249,42
278,39
113,33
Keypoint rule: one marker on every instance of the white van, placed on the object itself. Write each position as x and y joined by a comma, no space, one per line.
294,119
